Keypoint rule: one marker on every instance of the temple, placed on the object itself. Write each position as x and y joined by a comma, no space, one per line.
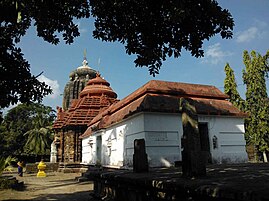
153,113
81,104
94,127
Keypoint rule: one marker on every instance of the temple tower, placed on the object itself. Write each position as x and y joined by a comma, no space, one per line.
78,79
73,122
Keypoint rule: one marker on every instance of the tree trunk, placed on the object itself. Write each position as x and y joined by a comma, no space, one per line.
264,157
256,158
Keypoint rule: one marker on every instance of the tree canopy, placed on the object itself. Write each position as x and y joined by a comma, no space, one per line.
256,103
230,88
20,120
16,81
152,30
155,30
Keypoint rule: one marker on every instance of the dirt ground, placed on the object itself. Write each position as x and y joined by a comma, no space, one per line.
56,186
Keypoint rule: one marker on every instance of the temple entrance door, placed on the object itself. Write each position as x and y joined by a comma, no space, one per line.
204,140
99,149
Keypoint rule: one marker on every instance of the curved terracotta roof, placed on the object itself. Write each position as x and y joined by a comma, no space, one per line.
95,97
177,89
161,96
98,86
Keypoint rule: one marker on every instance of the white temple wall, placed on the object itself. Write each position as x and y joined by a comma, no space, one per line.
89,150
162,133
229,132
163,138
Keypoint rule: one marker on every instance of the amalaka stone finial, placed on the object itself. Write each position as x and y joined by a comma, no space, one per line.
85,63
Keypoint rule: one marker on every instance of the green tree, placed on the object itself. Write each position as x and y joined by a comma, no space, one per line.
39,137
38,141
18,121
230,88
5,162
152,30
16,81
257,124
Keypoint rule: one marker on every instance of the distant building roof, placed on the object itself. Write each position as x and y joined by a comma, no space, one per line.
162,96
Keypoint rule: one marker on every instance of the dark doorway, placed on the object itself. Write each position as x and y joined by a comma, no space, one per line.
99,148
204,140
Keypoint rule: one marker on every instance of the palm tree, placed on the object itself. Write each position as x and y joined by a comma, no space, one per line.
40,137
4,162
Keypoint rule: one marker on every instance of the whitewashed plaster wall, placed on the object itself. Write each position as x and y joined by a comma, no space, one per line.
162,133
112,146
86,149
163,138
113,143
229,132
89,149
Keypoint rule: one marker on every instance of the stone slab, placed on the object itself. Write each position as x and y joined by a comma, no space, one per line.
246,182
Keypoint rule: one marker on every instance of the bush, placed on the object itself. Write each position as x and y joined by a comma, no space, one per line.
7,182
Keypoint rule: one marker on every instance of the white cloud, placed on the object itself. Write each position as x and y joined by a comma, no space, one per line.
80,29
258,31
214,54
53,84
247,35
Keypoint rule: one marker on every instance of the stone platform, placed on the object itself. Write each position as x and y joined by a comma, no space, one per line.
245,182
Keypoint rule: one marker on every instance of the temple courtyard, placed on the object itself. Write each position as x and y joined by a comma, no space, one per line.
56,186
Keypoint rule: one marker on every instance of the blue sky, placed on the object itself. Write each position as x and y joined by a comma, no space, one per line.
251,32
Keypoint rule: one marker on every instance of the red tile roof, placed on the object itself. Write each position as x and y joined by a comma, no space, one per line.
161,96
60,118
96,96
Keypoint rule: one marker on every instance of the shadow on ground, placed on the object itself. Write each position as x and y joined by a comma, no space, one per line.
56,186
81,196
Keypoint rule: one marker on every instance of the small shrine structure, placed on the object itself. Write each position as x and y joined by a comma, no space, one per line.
153,113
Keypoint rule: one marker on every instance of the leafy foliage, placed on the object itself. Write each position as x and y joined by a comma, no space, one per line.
38,141
155,30
16,81
19,121
257,103
39,137
5,162
230,88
